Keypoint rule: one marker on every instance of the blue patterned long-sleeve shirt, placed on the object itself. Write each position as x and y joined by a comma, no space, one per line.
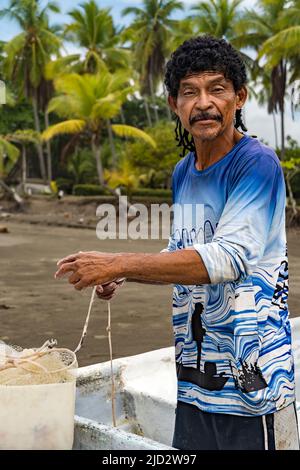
233,336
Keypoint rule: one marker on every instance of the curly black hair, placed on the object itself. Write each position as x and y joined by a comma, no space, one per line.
200,54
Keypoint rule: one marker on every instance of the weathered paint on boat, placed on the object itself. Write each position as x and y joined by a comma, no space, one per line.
145,400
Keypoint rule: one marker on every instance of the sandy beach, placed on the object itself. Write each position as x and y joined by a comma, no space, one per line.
35,307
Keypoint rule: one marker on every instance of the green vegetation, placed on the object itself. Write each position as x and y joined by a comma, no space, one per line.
98,120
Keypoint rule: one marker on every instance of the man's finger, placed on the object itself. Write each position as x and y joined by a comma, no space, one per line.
64,268
108,296
82,284
109,288
69,259
74,278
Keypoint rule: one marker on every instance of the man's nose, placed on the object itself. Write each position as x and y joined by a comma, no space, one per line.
203,101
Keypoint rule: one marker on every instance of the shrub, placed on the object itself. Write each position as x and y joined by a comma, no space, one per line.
154,165
90,190
64,184
149,192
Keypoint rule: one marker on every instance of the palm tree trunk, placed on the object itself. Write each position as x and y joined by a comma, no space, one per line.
153,97
282,153
12,193
24,168
292,200
169,114
147,112
48,149
275,129
111,144
123,120
38,129
96,149
282,85
122,115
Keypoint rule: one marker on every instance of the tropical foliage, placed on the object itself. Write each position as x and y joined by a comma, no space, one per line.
73,117
87,102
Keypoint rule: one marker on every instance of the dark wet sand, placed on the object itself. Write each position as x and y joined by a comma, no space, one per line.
34,307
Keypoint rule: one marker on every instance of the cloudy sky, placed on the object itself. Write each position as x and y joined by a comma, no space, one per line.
258,121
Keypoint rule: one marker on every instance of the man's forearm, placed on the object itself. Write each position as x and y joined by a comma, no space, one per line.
180,267
154,283
95,268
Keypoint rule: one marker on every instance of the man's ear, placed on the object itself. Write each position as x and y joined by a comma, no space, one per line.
242,95
172,103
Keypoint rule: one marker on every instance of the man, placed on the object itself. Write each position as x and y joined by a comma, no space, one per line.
227,262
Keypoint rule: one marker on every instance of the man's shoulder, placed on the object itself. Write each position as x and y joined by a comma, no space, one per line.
182,166
256,154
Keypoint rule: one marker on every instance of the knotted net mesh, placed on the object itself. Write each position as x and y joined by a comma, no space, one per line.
45,365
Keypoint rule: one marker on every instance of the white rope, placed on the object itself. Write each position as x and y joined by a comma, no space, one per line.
113,391
86,324
108,329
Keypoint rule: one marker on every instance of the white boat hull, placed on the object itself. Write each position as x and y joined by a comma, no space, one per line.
145,401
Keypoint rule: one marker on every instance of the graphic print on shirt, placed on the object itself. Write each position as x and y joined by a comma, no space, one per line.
208,379
202,217
232,336
281,293
248,376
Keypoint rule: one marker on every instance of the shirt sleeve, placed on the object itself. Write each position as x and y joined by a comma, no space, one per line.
242,232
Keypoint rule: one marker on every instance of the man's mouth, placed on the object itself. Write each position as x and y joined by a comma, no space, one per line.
205,119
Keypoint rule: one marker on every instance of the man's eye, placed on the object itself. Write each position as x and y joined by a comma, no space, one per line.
188,92
218,88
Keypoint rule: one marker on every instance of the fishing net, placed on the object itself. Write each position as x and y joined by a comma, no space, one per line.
45,365
37,393
37,397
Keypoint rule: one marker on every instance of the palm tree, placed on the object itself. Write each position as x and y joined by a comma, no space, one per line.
264,96
285,44
27,54
81,165
287,40
125,176
291,167
150,35
87,101
185,29
219,18
94,31
23,138
216,17
9,154
255,29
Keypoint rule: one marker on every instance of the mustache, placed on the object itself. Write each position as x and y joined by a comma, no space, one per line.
205,117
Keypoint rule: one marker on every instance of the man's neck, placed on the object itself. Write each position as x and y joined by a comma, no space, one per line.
210,151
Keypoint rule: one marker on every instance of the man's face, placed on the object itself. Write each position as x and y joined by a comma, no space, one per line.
206,104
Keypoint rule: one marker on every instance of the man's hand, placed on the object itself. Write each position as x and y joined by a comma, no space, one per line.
108,291
89,268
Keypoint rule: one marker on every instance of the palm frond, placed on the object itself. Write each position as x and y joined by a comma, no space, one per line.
72,126
107,107
7,150
62,65
123,130
285,42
